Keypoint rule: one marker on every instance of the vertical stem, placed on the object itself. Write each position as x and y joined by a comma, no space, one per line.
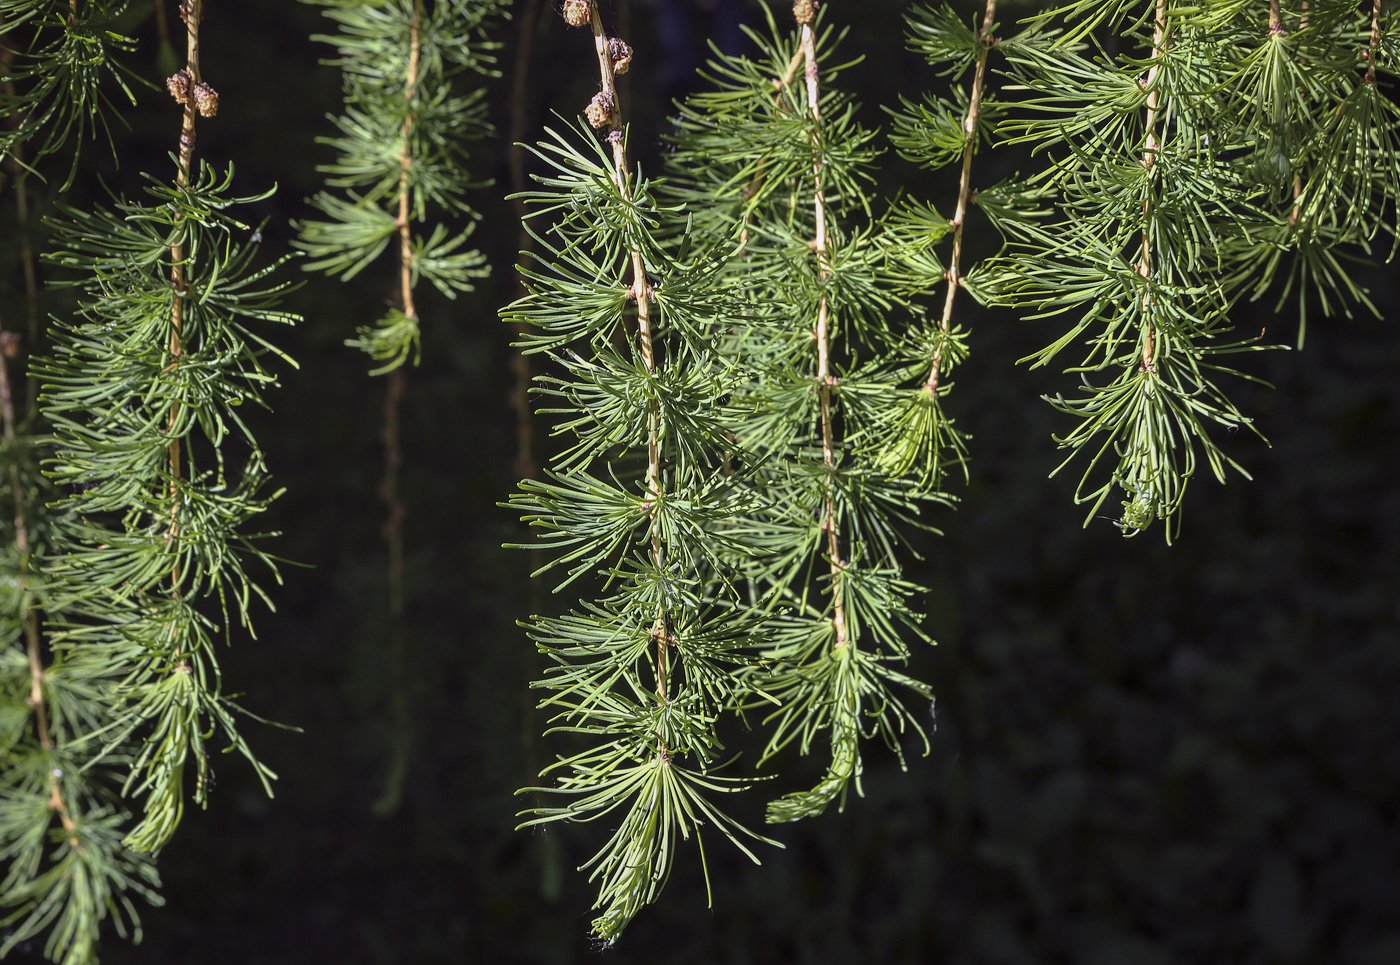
1149,158
822,248
1375,44
974,109
397,387
641,292
192,11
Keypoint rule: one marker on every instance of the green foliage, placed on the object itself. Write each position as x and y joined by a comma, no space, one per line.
144,405
67,69
821,326
402,149
1227,155
644,671
745,558
132,550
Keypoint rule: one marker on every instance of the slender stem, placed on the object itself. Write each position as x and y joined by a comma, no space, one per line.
391,491
1275,17
1149,158
1374,47
970,122
641,292
192,11
822,248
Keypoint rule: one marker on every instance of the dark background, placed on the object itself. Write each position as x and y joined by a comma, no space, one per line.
1144,754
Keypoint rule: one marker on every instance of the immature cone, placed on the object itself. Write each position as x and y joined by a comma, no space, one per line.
179,86
578,12
599,110
805,11
206,100
620,54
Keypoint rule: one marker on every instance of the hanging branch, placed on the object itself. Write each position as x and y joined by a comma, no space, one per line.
772,191
143,388
401,152
644,671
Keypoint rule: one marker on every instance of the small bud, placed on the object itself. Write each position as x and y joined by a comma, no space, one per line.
9,344
179,86
577,13
600,109
621,55
206,100
805,11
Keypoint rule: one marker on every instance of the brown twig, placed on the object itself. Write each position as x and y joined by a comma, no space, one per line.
970,122
604,111
195,97
821,247
390,490
1149,157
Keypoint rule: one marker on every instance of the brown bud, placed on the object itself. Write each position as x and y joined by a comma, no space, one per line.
179,86
805,11
578,12
9,344
621,55
206,100
600,109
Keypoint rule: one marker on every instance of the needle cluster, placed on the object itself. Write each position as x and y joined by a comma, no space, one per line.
1229,150
402,149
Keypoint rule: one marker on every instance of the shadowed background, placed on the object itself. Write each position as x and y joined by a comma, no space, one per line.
1143,754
